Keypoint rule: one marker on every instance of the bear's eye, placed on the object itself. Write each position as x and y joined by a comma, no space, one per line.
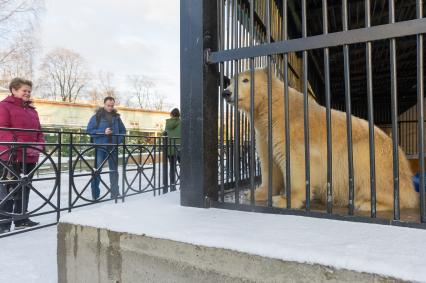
245,80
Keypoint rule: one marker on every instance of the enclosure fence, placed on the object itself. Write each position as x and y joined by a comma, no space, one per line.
73,172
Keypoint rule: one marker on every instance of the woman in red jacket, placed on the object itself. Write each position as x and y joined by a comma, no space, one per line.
16,111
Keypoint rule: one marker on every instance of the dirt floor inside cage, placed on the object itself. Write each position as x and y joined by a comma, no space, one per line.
407,215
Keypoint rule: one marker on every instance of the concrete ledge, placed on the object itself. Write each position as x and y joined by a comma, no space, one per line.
88,254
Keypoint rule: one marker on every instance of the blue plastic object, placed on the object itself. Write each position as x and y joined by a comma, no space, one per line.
416,181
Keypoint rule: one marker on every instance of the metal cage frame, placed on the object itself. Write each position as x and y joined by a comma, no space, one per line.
215,34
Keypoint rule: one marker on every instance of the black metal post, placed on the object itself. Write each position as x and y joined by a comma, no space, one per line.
370,114
348,111
328,113
173,163
286,111
123,171
24,187
58,196
237,168
287,175
269,89
70,173
306,112
420,114
199,103
165,154
154,166
221,35
252,137
394,114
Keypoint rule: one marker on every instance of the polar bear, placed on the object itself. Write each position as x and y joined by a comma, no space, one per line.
318,150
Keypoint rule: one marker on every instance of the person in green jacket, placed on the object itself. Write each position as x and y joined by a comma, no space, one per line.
172,131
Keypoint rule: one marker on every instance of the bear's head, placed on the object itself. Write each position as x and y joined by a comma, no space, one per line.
244,82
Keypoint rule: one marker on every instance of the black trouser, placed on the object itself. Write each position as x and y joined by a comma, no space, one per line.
172,172
14,203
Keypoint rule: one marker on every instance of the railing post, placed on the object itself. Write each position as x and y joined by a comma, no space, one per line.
154,166
173,161
58,204
165,154
116,157
70,177
199,91
23,172
123,174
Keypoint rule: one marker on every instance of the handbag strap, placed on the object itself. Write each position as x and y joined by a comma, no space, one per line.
12,155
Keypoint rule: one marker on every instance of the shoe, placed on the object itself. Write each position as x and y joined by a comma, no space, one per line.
25,224
4,229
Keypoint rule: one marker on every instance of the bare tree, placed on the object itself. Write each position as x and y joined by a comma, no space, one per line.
106,84
158,102
19,63
95,96
64,74
10,10
143,90
17,18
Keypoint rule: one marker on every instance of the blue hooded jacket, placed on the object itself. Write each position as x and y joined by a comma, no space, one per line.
97,130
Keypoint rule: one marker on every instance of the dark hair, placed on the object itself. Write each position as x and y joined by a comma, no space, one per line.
175,113
109,98
16,83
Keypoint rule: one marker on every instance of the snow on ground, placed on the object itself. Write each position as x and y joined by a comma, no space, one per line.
385,250
31,257
45,185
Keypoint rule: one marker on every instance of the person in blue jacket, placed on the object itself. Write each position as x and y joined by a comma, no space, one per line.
106,130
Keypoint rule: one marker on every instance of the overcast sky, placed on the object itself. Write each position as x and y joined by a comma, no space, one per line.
123,37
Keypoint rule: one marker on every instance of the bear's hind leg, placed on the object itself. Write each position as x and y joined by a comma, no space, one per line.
261,193
366,206
281,201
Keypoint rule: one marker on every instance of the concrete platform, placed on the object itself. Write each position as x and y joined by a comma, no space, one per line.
157,240
87,254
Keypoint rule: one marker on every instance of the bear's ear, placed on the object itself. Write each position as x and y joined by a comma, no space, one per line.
226,81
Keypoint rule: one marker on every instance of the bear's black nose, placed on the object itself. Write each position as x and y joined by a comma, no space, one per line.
226,94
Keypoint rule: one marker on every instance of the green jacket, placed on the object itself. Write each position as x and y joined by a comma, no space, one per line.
173,131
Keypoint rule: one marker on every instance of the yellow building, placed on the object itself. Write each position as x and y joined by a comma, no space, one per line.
3,92
60,115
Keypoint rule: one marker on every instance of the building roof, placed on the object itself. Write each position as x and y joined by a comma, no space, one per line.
92,105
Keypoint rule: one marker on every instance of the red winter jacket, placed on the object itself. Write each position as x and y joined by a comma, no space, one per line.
14,114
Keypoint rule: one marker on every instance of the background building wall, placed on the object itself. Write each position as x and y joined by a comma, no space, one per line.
55,114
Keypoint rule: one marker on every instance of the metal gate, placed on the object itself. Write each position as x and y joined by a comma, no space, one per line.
364,58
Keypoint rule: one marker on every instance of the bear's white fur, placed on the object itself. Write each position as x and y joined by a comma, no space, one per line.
318,150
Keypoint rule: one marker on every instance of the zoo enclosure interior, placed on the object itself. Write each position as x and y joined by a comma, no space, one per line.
364,58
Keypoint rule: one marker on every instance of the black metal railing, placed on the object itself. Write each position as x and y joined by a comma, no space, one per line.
73,172
226,178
